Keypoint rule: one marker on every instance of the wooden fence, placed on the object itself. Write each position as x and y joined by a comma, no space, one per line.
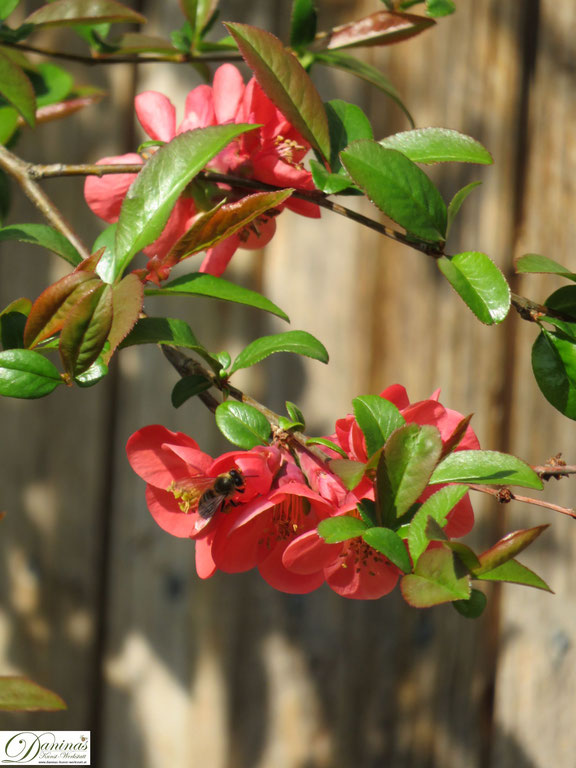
103,607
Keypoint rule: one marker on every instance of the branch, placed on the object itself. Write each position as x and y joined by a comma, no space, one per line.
176,58
505,496
526,308
20,172
186,366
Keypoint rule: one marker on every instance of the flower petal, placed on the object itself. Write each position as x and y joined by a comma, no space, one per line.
228,90
165,511
156,115
198,109
105,195
153,461
217,258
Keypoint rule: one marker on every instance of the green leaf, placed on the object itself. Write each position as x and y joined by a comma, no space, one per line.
473,607
515,573
438,507
289,426
106,266
438,8
329,444
531,263
97,371
457,202
44,236
390,545
188,387
224,361
295,413
438,145
479,282
367,511
27,374
285,82
554,366
347,123
6,8
398,187
507,548
350,472
341,528
200,284
16,88
85,331
51,84
437,579
404,469
242,424
162,330
12,330
330,183
66,12
488,467
563,301
377,418
223,221
366,72
299,342
380,28
163,178
18,694
9,119
302,23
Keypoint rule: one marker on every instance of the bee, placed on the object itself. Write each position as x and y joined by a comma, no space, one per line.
224,487
206,495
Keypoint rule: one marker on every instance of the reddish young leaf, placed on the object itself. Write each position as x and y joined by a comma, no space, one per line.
381,28
507,548
86,330
18,694
285,82
219,223
66,12
67,107
456,436
127,298
51,308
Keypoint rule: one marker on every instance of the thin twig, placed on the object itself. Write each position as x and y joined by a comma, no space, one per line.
19,170
186,366
505,495
175,58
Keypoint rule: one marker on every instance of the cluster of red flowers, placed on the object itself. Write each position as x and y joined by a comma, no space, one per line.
270,506
272,154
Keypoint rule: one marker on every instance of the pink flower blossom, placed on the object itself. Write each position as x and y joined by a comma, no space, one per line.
272,154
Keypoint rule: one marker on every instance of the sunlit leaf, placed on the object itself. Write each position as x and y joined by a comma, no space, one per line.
298,342
488,467
398,187
479,282
285,82
65,12
242,424
437,579
16,88
380,28
341,528
18,694
438,145
27,374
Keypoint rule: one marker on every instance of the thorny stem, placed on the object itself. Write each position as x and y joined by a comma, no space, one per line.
176,58
19,170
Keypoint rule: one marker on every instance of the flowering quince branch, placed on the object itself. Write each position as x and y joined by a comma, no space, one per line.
383,499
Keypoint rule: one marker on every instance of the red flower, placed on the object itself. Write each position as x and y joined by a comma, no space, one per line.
272,154
178,474
352,568
259,533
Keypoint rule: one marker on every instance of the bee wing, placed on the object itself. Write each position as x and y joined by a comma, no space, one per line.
208,506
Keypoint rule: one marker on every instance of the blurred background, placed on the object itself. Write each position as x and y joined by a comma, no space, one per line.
103,607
